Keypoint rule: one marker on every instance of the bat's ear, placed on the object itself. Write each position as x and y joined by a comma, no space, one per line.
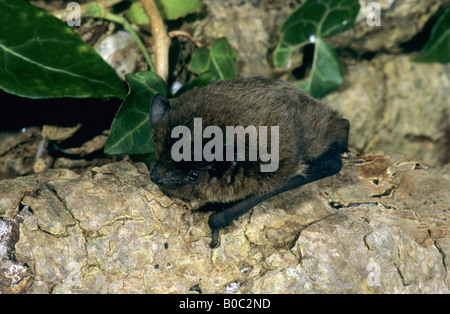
159,109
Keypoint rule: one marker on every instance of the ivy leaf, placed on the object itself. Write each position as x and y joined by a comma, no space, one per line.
223,59
169,9
201,61
41,57
327,75
200,81
219,63
130,129
437,48
282,54
174,9
136,14
313,21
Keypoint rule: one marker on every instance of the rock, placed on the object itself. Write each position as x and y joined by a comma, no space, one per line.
380,226
400,21
18,151
120,51
397,105
27,151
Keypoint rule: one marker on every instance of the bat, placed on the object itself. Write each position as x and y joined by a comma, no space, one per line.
235,143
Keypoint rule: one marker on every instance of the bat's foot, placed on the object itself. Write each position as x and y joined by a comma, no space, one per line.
215,241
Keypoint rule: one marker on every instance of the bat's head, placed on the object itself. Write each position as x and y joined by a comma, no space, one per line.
183,178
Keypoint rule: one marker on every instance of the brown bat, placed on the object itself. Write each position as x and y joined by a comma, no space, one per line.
235,143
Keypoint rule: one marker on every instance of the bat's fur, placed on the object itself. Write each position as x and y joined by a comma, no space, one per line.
311,138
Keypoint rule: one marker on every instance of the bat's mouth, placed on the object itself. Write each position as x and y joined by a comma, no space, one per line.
172,180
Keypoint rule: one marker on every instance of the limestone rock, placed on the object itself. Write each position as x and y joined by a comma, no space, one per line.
400,21
381,225
397,105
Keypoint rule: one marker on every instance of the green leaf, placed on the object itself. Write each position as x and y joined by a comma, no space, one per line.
136,14
41,57
130,129
282,54
201,61
217,64
313,21
437,48
223,59
174,9
95,10
169,9
200,81
326,75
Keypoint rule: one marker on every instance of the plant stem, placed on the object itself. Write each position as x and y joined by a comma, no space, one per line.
161,41
185,35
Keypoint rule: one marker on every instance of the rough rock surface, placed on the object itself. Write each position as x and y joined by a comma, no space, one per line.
400,21
257,33
397,105
380,226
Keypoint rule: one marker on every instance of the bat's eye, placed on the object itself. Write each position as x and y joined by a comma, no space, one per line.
193,175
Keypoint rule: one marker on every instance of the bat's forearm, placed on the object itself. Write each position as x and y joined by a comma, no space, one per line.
318,170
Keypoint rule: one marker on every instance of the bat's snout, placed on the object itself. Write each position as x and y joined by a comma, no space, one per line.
167,179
